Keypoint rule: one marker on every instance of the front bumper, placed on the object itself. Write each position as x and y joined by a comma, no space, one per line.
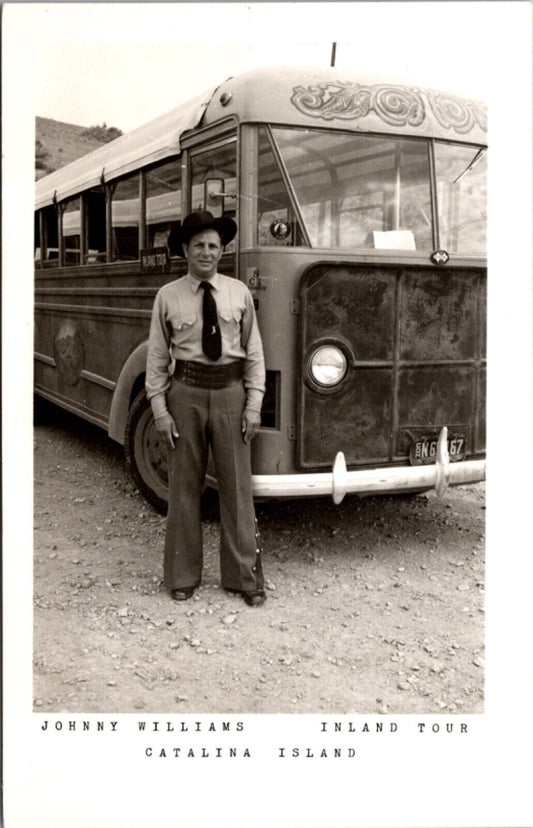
339,481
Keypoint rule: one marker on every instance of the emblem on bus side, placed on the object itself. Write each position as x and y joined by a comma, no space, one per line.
281,229
69,353
440,257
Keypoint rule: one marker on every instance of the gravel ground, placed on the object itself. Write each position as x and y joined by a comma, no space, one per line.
374,606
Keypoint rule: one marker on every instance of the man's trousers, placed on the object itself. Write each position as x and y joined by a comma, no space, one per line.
204,418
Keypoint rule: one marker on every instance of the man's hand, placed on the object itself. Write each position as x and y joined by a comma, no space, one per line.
166,427
251,420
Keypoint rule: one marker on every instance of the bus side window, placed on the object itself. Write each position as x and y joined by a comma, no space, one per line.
163,202
50,241
125,214
95,210
72,231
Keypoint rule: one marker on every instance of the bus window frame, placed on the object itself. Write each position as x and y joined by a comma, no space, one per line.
177,159
201,139
87,213
61,209
252,137
427,141
43,262
141,214
225,133
430,143
482,150
433,200
289,186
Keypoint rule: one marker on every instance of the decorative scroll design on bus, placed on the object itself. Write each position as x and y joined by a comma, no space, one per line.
456,113
396,105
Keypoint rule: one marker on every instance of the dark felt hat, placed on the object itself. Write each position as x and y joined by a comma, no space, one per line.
195,223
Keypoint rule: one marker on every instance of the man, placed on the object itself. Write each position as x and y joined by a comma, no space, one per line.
205,379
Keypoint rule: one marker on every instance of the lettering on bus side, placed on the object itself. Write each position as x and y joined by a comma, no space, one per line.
155,260
255,282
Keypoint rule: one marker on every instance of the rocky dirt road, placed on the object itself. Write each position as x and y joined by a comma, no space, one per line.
374,606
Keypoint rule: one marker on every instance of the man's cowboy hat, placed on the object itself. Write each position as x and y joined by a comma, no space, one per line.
195,223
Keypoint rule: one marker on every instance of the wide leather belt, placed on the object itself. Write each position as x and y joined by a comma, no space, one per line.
209,376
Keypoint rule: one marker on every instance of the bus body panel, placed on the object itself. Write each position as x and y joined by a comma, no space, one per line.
77,364
412,341
361,304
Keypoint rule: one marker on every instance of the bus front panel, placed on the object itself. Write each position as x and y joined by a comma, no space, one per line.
411,351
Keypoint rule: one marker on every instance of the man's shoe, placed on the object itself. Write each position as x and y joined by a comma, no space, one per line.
182,594
254,597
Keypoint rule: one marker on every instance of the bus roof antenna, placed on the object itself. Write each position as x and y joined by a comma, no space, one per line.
333,52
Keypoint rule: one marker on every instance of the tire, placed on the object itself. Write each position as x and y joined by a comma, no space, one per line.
146,457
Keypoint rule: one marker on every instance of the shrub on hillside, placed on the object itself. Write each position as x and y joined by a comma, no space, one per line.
102,132
42,157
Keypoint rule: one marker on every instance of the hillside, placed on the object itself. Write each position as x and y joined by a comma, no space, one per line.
58,143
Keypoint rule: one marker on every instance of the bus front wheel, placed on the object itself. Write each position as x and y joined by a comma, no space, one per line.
146,456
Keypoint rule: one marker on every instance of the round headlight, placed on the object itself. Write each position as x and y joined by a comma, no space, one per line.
327,365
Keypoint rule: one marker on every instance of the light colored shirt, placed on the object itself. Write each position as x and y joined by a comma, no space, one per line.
176,333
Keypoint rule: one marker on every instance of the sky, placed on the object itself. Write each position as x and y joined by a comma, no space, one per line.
128,63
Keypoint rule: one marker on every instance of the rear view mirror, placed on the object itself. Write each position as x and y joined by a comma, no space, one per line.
214,196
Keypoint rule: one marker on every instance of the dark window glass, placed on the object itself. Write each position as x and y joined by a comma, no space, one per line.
125,219
51,232
95,208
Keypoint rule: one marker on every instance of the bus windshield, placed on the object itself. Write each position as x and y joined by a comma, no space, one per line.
368,191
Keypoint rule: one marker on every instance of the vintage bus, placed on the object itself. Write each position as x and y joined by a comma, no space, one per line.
361,208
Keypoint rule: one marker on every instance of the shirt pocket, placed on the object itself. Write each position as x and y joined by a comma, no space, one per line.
182,327
230,326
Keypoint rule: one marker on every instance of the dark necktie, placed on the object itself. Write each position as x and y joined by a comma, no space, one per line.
211,341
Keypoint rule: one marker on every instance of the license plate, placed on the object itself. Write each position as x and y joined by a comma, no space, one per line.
424,451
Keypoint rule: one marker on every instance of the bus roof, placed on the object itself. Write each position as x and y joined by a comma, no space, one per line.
331,98
146,144
346,99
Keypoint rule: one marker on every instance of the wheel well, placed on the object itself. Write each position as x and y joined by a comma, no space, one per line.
138,385
129,384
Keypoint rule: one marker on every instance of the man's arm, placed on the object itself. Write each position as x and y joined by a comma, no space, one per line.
157,377
254,371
